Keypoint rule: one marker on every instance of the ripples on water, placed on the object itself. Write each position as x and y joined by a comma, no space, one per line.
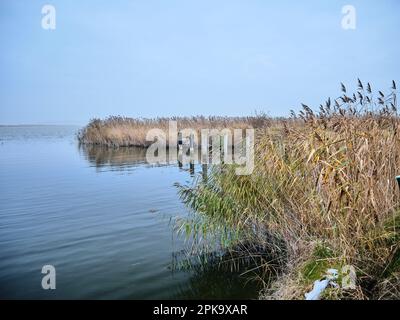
100,216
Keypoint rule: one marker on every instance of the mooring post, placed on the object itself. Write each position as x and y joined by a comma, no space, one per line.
398,180
191,167
180,142
180,156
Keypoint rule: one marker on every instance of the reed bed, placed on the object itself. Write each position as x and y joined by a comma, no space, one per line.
117,131
323,195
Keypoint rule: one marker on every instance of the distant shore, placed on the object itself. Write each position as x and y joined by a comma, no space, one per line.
40,125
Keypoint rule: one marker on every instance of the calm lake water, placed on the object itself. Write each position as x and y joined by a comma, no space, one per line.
101,217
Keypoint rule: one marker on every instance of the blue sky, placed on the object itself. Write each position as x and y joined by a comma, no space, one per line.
162,58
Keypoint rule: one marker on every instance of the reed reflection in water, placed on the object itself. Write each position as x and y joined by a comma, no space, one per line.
126,158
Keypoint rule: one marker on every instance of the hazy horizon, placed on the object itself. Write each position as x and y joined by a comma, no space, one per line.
150,59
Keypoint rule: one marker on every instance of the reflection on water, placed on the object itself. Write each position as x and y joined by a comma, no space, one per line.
101,156
103,217
125,158
214,282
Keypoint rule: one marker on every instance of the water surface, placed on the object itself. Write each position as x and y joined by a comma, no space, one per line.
102,217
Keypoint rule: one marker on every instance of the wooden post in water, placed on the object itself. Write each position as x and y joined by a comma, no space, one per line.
191,167
180,142
180,156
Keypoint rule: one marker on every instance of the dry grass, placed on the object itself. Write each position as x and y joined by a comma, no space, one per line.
121,131
324,187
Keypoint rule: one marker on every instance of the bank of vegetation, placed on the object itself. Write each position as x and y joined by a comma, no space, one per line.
117,131
323,195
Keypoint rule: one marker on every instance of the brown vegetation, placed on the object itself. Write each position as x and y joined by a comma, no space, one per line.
323,193
122,131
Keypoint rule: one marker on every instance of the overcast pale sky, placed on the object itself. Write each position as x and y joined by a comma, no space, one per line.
166,57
